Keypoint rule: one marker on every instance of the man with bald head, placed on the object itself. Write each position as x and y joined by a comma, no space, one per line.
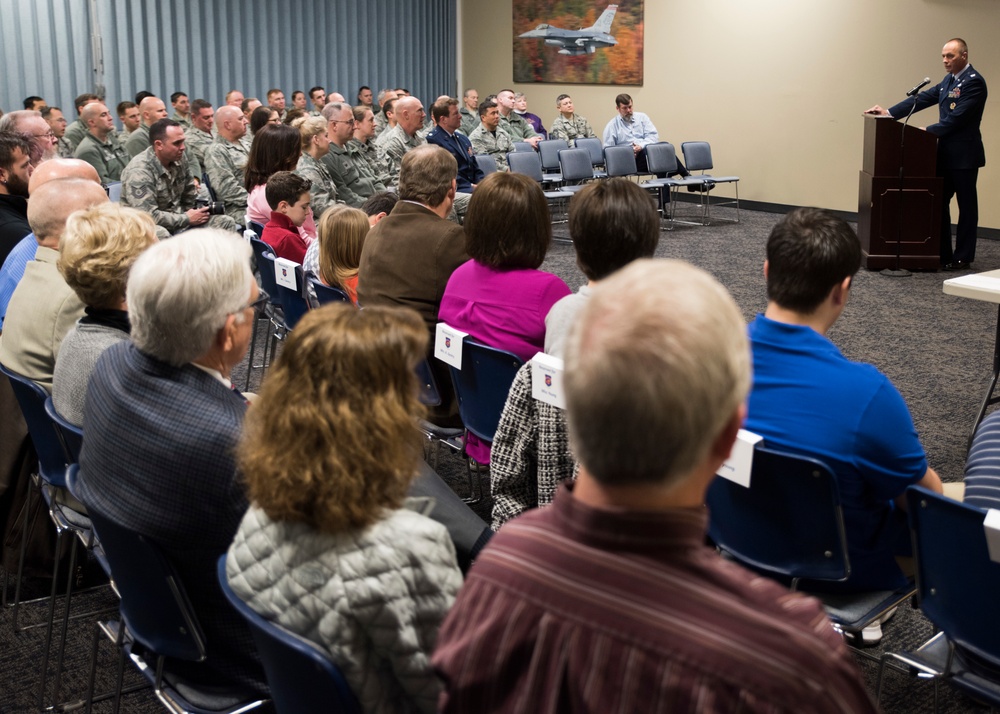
225,160
152,110
401,138
381,120
77,130
100,147
350,172
30,123
43,307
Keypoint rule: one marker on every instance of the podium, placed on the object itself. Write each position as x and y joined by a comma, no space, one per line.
879,196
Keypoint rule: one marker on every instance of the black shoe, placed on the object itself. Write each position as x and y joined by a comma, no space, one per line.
695,188
957,265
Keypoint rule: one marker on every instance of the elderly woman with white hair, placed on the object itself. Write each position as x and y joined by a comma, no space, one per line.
162,422
96,252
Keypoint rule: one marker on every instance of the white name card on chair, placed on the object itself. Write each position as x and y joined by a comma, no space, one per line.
448,345
284,273
991,525
547,380
740,462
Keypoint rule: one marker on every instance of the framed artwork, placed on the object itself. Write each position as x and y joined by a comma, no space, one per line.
578,41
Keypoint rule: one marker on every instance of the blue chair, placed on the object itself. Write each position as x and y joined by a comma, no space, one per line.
482,386
531,165
596,148
293,302
487,164
114,190
301,675
957,585
698,157
256,227
70,435
208,184
661,158
271,312
548,153
789,525
523,146
576,168
326,294
157,615
620,161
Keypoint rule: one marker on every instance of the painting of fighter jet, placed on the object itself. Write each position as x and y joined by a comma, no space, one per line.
578,41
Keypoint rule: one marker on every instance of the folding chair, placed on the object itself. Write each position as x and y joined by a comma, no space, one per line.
661,158
698,157
548,152
436,435
531,165
523,146
487,164
293,301
271,311
301,675
620,161
957,583
789,525
327,293
114,190
157,615
576,167
596,149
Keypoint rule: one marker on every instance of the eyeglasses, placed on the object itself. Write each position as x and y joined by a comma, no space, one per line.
343,121
262,299
48,135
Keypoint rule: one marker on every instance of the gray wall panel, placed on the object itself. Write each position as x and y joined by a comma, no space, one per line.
207,47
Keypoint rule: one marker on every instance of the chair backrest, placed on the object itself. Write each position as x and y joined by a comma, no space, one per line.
70,435
595,147
661,158
525,163
956,580
620,161
154,604
430,396
327,293
487,164
549,150
482,386
788,522
575,165
300,675
293,302
208,184
256,227
697,155
523,146
261,250
114,190
31,398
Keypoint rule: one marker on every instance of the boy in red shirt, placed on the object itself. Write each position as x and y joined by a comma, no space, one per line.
287,194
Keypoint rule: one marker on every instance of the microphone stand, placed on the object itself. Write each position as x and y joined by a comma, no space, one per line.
899,272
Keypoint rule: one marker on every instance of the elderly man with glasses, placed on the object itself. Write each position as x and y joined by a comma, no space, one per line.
350,170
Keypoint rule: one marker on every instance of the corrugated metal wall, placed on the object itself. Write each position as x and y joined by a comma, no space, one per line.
207,47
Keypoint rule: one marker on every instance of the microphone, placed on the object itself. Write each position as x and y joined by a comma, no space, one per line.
912,92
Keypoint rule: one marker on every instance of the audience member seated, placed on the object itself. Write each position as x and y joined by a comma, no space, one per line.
316,145
570,126
611,223
96,251
447,135
226,160
287,194
982,466
261,117
489,137
409,256
632,128
162,422
609,600
15,170
335,257
330,548
276,147
808,398
351,173
43,307
516,126
535,121
500,297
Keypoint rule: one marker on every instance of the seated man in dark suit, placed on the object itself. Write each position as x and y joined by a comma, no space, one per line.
162,421
446,135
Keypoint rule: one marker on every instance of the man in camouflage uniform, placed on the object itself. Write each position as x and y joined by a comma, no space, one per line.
363,143
489,138
469,111
57,122
152,110
225,160
77,130
129,116
401,138
318,97
568,125
158,182
182,109
100,147
354,181
199,137
381,121
513,123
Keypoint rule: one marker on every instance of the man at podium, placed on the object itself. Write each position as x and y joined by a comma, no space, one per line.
961,97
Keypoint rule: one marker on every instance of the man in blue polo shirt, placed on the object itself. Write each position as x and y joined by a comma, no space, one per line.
808,398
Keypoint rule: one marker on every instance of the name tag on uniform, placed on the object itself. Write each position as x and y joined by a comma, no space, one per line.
547,380
448,345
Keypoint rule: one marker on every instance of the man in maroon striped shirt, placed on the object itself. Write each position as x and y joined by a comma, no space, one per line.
608,600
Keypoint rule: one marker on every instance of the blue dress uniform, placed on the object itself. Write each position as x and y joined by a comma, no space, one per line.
460,147
960,101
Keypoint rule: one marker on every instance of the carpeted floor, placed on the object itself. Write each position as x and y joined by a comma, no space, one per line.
937,349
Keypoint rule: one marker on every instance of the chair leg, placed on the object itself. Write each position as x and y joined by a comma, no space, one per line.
65,622
93,668
20,558
51,621
253,344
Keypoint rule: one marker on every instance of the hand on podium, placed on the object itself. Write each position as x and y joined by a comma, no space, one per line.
877,111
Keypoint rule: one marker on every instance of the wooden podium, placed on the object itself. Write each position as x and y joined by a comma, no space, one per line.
879,197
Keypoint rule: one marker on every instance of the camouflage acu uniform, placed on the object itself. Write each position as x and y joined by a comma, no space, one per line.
64,149
323,192
368,151
224,163
109,157
195,145
354,180
165,193
516,126
247,139
571,129
497,144
185,123
138,141
381,123
75,133
470,120
395,144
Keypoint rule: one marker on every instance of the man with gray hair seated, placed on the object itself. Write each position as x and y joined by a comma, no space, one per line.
162,422
614,581
30,123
